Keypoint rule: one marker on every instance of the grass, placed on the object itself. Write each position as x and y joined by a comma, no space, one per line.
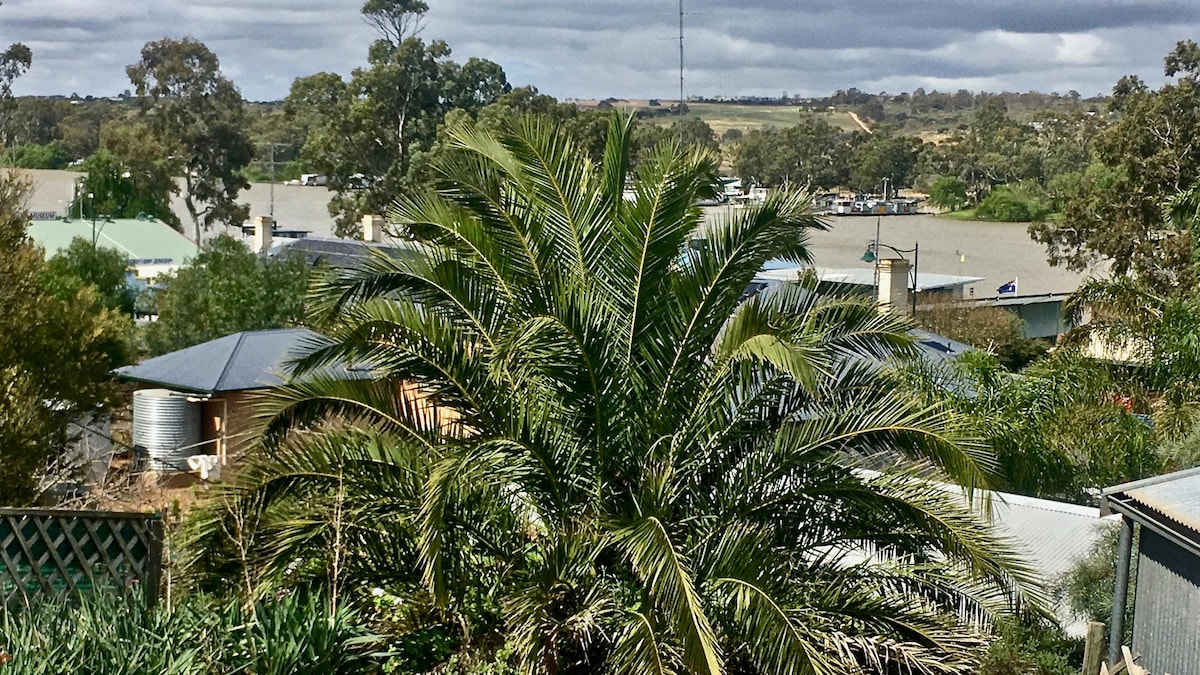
969,215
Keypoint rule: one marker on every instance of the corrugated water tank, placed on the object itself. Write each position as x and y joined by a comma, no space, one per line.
166,426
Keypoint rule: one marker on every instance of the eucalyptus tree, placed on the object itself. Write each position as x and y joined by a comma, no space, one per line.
580,438
196,113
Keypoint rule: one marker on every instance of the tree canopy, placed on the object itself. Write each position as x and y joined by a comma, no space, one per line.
225,289
1113,211
602,451
56,351
365,133
198,114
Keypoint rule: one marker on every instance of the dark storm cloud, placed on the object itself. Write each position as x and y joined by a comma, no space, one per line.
574,48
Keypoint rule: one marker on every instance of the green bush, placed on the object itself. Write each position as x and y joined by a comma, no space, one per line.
112,634
1007,204
34,156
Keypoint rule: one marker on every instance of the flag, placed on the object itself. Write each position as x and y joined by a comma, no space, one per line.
1010,287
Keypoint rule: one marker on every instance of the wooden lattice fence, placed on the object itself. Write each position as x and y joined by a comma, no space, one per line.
55,553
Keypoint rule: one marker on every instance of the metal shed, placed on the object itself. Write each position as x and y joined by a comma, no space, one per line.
1166,606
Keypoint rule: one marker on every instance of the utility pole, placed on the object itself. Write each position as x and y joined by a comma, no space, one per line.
272,146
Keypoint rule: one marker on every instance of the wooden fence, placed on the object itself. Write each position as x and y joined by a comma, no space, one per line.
55,553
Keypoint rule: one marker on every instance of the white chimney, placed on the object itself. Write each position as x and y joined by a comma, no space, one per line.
372,227
893,284
264,227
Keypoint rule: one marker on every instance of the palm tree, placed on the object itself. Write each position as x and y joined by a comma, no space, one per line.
631,466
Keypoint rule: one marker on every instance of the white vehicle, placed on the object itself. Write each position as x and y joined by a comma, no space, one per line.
313,179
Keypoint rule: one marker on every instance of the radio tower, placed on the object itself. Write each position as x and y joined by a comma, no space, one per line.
681,59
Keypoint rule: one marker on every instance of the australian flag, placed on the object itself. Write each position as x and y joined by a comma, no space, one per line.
1010,287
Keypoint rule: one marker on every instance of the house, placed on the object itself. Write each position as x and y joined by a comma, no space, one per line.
1041,315
151,247
1165,512
863,281
218,378
331,251
209,391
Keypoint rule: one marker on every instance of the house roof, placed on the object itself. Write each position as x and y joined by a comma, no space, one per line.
242,361
1168,504
926,281
142,241
336,252
1024,300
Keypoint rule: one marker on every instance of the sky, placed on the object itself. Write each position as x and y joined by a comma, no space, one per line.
629,48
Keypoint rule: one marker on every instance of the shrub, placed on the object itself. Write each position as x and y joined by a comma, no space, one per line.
1008,204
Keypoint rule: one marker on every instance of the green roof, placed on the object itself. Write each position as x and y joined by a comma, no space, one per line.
142,241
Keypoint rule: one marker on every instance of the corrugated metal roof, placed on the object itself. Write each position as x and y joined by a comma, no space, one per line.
138,240
249,360
1175,496
926,281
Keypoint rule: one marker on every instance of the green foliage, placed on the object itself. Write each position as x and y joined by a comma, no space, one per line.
115,634
380,121
1142,160
1012,204
811,153
82,264
606,460
131,176
1088,584
884,154
1057,430
225,289
56,354
1036,649
948,193
187,103
991,329
34,156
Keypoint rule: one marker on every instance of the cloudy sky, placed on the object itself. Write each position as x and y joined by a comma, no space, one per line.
627,48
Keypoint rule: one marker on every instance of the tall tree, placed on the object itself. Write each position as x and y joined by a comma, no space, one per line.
634,469
14,61
186,101
1114,212
365,133
55,354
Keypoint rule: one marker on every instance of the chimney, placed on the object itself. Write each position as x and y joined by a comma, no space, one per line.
264,227
893,284
372,228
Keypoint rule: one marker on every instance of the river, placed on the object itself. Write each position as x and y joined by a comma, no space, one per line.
998,252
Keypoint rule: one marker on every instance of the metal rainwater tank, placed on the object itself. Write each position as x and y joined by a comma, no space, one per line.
166,426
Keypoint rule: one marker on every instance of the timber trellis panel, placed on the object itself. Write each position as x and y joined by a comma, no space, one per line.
56,552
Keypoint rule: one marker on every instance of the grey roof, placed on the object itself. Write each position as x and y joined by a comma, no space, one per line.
1022,300
854,276
937,348
1170,504
337,252
238,362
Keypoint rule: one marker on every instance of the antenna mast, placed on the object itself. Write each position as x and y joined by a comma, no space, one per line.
681,58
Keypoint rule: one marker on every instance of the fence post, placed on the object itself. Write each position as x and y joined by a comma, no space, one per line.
154,561
1093,648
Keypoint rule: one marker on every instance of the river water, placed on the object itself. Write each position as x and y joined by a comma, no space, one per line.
998,252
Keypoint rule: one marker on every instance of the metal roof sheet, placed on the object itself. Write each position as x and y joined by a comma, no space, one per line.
926,281
1174,496
249,360
138,240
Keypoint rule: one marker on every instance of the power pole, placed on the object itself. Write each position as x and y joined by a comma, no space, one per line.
272,160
